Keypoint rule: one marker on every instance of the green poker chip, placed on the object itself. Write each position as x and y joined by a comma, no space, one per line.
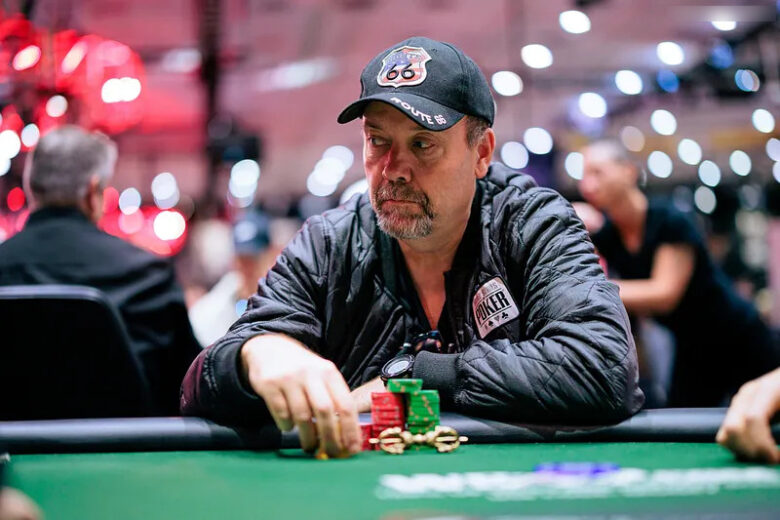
404,386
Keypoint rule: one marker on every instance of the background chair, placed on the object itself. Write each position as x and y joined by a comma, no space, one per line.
65,353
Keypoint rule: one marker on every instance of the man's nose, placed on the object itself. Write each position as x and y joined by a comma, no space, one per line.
397,166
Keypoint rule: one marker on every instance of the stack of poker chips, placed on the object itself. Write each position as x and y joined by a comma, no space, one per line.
405,405
422,411
388,410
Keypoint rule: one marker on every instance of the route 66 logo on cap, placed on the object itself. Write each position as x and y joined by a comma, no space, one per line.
404,66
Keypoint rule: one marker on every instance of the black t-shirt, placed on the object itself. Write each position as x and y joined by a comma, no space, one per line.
710,309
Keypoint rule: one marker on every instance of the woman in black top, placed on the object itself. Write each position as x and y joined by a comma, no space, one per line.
667,273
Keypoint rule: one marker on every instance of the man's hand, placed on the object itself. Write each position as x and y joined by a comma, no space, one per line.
745,430
590,216
362,394
302,389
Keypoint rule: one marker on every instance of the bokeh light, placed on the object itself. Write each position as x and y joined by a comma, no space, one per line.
632,138
740,163
27,57
169,225
574,22
628,82
507,83
165,190
670,53
30,135
763,120
342,154
689,151
536,56
514,155
56,106
747,80
667,80
709,173
15,199
538,140
10,144
663,122
592,105
318,188
721,55
129,201
659,164
5,165
329,170
724,25
574,165
772,148
705,199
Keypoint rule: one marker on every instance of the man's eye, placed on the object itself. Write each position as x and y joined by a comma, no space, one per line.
423,145
376,141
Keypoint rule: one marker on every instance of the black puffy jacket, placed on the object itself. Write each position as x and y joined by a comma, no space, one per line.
568,356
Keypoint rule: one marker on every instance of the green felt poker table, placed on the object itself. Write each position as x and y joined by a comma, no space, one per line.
658,464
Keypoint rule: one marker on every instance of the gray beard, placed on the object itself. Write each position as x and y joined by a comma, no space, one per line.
405,228
403,225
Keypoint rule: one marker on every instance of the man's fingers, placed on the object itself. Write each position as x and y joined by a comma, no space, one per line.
307,433
347,413
277,405
325,413
301,413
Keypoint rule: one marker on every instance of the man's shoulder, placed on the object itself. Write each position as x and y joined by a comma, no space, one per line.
75,240
511,193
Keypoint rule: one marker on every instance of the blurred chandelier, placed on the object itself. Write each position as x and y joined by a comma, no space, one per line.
50,78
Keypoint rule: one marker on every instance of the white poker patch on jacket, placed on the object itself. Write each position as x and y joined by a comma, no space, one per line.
493,306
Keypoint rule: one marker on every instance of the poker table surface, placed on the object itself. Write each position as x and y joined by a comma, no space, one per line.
658,464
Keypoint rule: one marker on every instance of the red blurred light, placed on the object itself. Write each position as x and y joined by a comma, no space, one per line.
74,57
110,199
27,57
132,223
15,199
11,119
21,220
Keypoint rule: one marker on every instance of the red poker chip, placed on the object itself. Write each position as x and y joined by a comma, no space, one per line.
388,409
367,430
387,419
387,398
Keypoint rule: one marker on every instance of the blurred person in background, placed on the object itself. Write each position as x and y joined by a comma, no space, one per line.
61,244
217,310
667,273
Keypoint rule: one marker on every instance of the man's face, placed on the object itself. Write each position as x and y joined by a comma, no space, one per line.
418,179
605,181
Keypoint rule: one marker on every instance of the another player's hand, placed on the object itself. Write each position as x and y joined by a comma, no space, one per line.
746,428
302,389
15,505
590,216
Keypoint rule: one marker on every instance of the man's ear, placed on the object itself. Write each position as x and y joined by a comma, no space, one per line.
93,198
485,147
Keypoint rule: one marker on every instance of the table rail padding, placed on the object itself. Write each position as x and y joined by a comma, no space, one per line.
190,433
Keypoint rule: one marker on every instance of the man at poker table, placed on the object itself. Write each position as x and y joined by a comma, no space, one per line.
522,323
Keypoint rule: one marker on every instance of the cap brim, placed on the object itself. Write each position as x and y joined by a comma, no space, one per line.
421,110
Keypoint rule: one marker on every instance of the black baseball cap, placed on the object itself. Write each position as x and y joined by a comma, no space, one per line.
431,82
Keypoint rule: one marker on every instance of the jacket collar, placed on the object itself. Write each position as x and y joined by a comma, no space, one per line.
57,212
